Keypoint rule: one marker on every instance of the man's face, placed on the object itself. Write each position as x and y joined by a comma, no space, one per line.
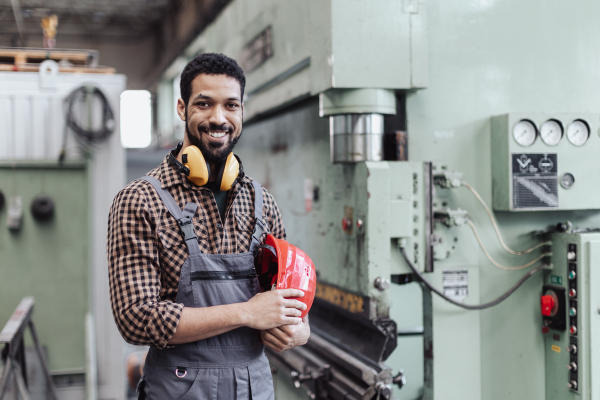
213,116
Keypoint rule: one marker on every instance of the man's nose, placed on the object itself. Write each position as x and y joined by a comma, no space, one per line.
217,116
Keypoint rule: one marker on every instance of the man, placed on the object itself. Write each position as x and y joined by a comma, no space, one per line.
192,294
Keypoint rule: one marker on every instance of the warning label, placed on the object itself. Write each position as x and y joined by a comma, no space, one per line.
456,283
535,180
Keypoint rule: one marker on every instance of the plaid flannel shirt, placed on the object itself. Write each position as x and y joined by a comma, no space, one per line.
146,250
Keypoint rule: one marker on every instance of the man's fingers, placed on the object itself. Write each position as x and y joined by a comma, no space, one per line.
292,312
292,321
279,334
273,341
291,303
291,292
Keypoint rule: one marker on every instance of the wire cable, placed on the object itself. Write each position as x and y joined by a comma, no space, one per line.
494,261
495,224
87,137
468,306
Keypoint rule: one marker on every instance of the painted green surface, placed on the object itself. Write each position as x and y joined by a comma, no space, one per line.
48,260
343,42
488,58
356,101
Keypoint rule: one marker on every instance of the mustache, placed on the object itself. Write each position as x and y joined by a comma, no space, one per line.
214,127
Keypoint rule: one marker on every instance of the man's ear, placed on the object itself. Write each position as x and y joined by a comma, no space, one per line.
181,109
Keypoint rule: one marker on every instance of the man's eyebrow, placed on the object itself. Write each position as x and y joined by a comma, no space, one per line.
202,96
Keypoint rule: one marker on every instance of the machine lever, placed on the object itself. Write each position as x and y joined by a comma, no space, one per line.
322,372
399,379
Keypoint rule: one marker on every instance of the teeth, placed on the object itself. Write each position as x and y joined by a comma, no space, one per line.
217,134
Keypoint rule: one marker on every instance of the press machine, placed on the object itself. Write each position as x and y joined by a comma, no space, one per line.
384,129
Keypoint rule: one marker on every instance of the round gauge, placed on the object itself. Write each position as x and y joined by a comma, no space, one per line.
525,132
551,132
578,132
567,180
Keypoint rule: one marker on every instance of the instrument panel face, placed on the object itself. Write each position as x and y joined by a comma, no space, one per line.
543,161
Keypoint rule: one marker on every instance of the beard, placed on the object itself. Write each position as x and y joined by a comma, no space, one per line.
213,152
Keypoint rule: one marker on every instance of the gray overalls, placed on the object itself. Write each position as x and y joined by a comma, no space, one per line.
229,366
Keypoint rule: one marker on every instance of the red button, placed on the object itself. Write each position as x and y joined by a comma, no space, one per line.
547,305
573,329
545,329
345,224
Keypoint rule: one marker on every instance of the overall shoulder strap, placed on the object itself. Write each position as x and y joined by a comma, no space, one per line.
259,226
183,218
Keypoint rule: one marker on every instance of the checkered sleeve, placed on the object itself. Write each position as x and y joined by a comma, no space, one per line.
274,221
134,274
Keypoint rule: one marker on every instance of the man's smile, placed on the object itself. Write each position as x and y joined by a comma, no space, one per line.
216,134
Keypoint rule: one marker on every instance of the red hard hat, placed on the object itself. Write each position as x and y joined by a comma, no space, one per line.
284,266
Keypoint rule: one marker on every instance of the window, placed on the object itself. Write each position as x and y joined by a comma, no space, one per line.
136,118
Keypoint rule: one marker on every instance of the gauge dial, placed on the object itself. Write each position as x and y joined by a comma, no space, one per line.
525,132
567,180
551,132
578,132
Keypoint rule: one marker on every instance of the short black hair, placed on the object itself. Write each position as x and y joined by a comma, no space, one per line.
211,64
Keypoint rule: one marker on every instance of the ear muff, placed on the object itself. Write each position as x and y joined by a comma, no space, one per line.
197,170
194,160
229,171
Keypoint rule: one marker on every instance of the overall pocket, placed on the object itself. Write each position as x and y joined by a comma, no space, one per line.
214,288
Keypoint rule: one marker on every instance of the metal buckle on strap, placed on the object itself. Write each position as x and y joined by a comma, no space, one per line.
185,224
259,228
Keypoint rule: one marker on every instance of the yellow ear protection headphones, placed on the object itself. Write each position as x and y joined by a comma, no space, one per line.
197,170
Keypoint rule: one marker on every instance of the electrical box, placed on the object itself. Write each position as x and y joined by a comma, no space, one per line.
572,370
537,161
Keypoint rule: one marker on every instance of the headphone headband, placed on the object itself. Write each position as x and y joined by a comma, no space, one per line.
176,164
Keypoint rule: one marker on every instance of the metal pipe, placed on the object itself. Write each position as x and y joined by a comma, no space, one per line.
356,137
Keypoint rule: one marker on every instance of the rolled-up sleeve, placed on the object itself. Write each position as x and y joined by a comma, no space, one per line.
134,274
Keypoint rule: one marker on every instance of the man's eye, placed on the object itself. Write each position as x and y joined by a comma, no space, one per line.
232,105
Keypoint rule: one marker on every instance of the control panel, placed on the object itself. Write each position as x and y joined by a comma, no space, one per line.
569,342
536,161
572,348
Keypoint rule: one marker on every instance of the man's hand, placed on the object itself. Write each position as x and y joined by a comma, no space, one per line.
287,336
272,309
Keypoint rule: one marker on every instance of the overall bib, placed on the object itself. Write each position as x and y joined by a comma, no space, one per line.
230,366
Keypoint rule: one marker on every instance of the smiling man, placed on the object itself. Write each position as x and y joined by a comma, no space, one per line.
180,254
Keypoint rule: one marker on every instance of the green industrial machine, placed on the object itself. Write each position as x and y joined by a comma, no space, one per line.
386,131
32,264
